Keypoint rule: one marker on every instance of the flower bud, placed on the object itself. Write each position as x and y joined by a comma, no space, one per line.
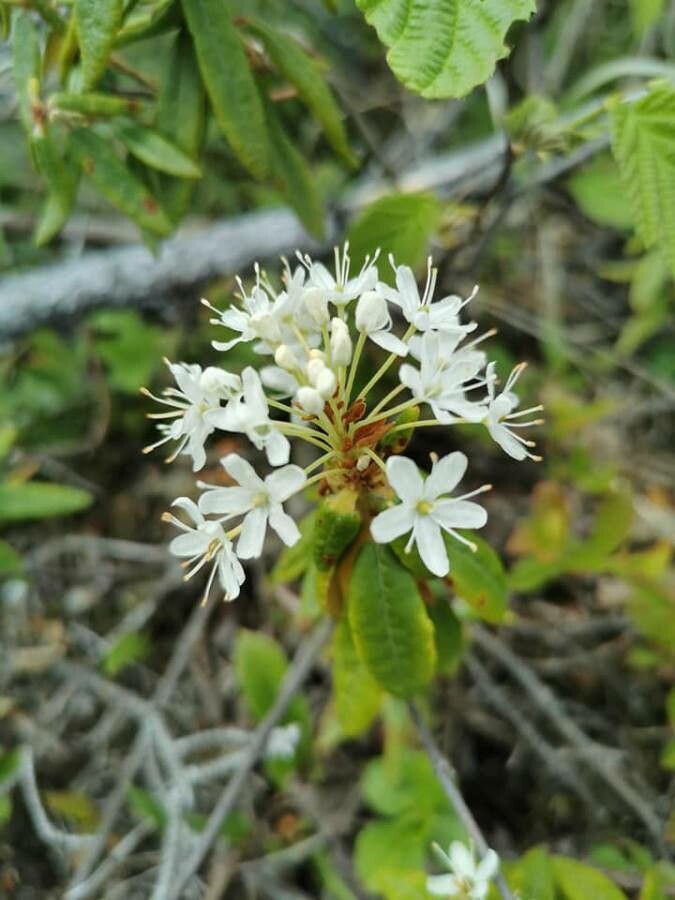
317,354
314,369
372,313
326,383
363,462
317,305
285,358
340,343
310,400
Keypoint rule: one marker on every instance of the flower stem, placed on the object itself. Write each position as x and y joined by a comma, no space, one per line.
318,462
385,365
358,350
392,411
320,475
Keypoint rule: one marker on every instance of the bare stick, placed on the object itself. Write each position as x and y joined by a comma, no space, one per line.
300,667
446,776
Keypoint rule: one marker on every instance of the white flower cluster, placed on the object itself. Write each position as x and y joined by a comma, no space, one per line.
313,333
465,879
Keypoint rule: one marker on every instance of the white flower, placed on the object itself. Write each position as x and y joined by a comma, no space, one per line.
373,319
259,501
256,320
340,343
199,393
441,381
250,415
425,511
469,880
423,312
283,741
340,289
310,400
500,416
204,542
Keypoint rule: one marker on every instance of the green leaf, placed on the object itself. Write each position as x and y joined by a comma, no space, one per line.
143,23
294,177
130,648
448,635
357,695
26,63
335,528
643,142
9,763
94,103
444,48
10,561
390,625
600,195
229,82
401,224
403,782
144,806
40,500
644,14
309,80
294,561
155,150
118,185
5,809
479,577
97,22
62,181
181,116
387,847
578,881
74,806
260,664
536,876
128,346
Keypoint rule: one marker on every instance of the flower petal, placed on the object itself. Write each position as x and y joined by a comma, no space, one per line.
392,523
442,885
458,514
405,479
488,866
277,448
252,535
430,546
446,474
228,501
192,543
285,482
190,507
284,525
462,860
242,472
389,342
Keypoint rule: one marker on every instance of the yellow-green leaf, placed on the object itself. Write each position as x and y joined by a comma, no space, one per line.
26,63
390,625
357,695
478,577
577,881
229,81
336,526
97,22
39,500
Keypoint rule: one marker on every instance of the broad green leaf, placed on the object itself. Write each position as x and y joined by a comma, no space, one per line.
577,881
309,80
130,648
600,195
401,224
535,876
10,561
294,177
155,150
444,48
652,610
387,847
260,664
644,14
129,347
97,22
643,142
612,524
448,635
403,782
229,82
118,185
93,103
40,500
478,577
26,62
181,116
336,525
294,561
357,695
390,625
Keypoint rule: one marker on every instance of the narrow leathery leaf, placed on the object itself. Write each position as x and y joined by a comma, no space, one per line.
62,181
26,64
294,561
444,48
97,22
336,525
119,186
401,224
155,150
94,103
52,218
144,23
307,77
577,881
4,22
478,577
392,631
643,141
294,178
181,117
40,499
357,695
229,82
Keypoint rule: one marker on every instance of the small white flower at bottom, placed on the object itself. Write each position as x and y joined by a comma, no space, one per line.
467,880
259,501
205,542
425,511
